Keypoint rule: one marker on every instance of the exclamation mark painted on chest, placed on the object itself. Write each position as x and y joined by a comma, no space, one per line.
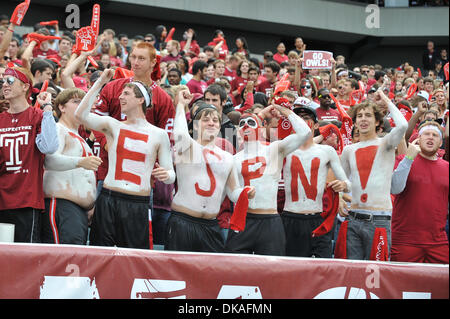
364,162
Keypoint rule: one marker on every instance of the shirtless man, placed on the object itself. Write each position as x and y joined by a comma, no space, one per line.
259,164
369,165
122,215
69,178
205,175
305,175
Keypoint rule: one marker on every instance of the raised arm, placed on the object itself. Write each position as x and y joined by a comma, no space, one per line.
83,112
394,137
183,140
293,141
401,173
47,139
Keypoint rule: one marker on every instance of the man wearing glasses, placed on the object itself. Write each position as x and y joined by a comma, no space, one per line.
324,111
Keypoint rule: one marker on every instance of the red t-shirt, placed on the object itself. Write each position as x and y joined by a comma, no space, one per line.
197,86
420,212
38,53
328,115
21,162
237,84
265,87
280,59
230,74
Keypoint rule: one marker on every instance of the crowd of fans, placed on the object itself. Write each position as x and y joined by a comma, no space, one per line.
226,75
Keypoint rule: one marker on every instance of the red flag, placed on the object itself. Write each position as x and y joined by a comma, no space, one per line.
282,85
43,89
411,90
122,73
446,72
347,123
170,35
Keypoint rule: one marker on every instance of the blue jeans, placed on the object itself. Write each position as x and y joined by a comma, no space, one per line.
360,236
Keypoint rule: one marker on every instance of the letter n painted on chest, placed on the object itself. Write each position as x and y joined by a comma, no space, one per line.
254,174
212,179
298,171
123,154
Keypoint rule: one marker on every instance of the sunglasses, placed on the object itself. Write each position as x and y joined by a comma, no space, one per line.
340,87
249,122
6,58
92,70
8,79
149,40
324,97
305,86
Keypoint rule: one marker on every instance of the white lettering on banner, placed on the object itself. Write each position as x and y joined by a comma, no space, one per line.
239,292
13,141
68,287
158,289
317,59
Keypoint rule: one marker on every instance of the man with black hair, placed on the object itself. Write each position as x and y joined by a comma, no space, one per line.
324,111
217,96
197,83
41,70
271,71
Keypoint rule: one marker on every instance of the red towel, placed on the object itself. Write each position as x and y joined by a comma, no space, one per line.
328,215
340,251
238,219
379,245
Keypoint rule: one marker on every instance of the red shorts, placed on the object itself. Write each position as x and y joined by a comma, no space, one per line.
436,254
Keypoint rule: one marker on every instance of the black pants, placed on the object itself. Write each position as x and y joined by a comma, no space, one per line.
263,235
26,223
121,220
64,222
187,233
299,241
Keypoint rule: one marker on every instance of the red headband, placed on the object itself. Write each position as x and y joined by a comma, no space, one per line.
18,75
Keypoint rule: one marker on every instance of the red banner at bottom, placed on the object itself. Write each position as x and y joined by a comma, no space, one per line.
33,271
